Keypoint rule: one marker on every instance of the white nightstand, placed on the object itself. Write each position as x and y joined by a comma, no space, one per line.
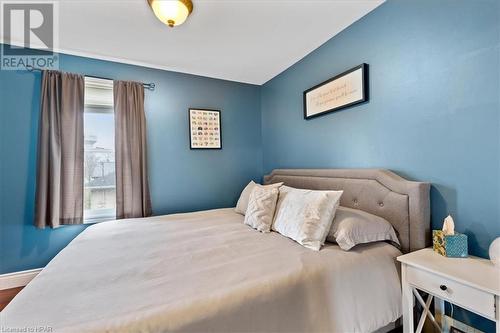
471,283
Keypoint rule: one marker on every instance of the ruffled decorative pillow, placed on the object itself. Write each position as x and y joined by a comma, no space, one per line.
241,206
261,208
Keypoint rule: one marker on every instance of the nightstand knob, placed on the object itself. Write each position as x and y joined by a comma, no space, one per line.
443,287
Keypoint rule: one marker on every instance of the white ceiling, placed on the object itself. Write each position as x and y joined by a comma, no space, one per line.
240,40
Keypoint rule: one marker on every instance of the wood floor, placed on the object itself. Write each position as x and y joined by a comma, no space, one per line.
7,295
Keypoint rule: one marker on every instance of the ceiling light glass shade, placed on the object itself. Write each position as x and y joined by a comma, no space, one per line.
171,12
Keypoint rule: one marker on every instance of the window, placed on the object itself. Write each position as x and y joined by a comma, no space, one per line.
99,200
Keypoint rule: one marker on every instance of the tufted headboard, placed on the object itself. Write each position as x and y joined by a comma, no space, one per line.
405,204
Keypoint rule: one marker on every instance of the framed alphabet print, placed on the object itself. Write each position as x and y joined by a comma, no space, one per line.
205,129
344,90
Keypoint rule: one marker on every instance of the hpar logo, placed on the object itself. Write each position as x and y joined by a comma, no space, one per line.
30,34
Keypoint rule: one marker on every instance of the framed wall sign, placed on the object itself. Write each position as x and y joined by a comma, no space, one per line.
205,129
344,90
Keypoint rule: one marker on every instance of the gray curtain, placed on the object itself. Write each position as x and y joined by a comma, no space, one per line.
132,188
59,191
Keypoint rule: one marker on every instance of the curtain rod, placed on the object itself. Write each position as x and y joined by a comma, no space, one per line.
149,86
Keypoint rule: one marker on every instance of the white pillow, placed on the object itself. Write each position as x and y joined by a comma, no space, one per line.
353,226
241,206
261,207
305,215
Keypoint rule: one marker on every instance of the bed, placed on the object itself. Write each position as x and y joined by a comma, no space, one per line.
208,272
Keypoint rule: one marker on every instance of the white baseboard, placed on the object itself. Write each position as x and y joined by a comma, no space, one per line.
17,279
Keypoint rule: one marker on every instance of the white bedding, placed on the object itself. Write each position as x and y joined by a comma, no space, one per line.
207,272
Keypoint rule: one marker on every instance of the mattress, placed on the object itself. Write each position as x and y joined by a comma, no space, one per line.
207,272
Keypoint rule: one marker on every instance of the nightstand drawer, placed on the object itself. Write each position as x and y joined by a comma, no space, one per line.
465,296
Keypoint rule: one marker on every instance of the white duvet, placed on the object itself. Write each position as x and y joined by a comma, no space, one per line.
207,272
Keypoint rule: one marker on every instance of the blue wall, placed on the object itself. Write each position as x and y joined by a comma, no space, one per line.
180,179
433,113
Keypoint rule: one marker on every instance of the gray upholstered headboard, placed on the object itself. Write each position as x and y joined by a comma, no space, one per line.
405,204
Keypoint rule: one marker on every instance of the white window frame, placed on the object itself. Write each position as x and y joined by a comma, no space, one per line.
97,99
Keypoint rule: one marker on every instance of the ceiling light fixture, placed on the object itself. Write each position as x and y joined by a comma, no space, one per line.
171,12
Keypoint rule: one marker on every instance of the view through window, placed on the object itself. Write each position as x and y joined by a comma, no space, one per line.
99,166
